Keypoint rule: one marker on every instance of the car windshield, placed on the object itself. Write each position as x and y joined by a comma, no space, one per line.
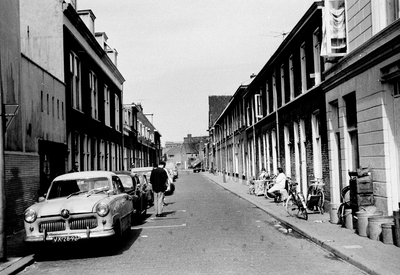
65,188
126,180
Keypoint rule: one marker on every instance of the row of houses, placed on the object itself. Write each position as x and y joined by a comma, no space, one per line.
325,103
187,153
63,77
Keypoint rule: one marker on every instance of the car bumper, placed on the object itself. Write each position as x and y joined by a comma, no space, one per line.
58,237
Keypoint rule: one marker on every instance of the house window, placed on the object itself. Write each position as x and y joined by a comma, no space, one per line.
107,120
117,111
94,95
384,12
317,58
351,120
268,153
287,151
102,155
283,84
62,110
303,68
258,107
75,80
396,86
296,151
274,151
274,93
335,43
112,156
94,154
58,109
291,77
315,124
48,103
77,147
391,75
41,101
267,97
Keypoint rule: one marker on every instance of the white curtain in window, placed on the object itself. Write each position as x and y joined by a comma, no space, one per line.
334,28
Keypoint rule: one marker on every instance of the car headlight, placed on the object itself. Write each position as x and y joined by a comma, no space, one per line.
30,216
102,209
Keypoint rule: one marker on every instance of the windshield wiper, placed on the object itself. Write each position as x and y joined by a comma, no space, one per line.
76,193
95,191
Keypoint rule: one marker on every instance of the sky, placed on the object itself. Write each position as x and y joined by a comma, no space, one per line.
174,54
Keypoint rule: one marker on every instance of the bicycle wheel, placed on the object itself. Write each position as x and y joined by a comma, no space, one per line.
321,203
291,206
303,213
340,212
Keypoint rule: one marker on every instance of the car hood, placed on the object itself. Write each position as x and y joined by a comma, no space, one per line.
74,204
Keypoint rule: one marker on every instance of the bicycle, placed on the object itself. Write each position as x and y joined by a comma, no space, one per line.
295,203
316,196
346,203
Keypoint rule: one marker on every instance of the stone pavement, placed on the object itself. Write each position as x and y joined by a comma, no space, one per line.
18,254
373,257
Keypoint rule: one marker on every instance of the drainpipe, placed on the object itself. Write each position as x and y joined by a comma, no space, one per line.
3,245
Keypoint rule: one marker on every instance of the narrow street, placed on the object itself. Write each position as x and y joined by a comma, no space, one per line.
207,230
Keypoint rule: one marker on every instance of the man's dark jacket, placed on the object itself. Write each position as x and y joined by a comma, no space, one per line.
158,179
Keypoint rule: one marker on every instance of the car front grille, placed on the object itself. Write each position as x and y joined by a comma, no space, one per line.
74,224
83,223
52,226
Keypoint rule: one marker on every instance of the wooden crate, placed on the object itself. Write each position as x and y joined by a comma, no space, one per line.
365,187
365,199
364,179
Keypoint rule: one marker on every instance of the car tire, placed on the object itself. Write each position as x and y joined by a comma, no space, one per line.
143,208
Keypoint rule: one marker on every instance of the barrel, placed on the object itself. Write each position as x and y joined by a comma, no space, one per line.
396,217
362,221
387,232
374,230
348,219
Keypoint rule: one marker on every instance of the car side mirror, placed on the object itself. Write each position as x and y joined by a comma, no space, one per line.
41,199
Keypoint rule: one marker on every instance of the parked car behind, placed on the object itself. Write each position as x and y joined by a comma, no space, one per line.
173,169
77,206
143,174
134,188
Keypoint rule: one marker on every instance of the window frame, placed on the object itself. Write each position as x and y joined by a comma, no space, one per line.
75,81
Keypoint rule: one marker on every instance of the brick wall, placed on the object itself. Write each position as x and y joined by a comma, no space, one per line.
22,176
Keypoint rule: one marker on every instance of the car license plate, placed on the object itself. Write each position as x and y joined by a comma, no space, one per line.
65,239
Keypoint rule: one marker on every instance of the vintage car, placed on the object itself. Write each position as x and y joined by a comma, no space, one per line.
143,174
173,170
137,190
77,206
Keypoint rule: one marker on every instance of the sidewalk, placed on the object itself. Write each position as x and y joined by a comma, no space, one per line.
18,255
373,257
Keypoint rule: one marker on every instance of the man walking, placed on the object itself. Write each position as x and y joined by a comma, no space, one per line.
158,180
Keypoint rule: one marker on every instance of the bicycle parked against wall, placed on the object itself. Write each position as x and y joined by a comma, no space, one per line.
295,203
316,196
346,204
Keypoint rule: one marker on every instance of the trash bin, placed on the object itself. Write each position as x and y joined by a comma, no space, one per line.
362,220
388,233
374,230
334,213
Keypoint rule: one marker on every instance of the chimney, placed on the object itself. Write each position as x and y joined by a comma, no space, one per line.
102,38
88,18
72,2
112,54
